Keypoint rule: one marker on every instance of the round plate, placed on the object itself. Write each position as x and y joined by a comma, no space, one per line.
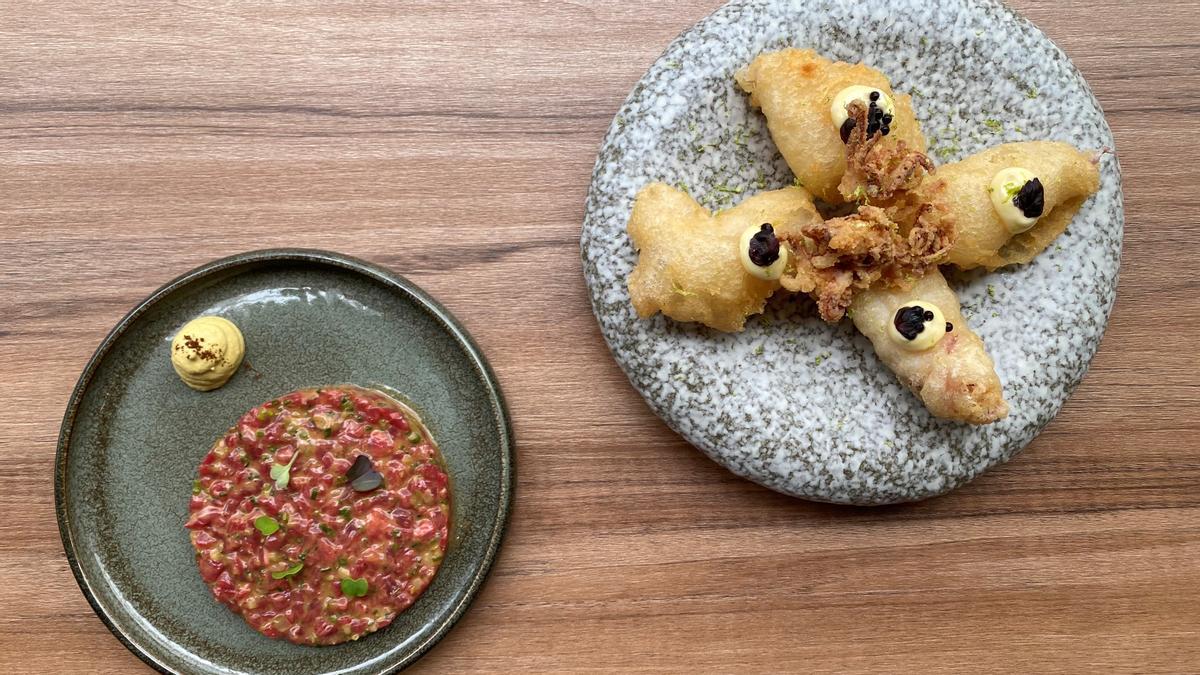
800,406
133,437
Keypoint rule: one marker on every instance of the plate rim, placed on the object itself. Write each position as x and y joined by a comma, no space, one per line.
396,283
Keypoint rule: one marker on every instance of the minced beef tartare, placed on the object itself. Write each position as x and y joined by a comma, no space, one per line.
321,514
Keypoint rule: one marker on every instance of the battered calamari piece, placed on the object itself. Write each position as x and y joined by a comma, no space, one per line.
1068,177
842,256
795,88
955,378
689,267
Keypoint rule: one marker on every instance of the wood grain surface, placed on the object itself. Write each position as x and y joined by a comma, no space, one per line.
453,142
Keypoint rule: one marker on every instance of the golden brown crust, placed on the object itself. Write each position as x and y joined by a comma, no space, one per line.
795,88
1068,176
955,379
688,266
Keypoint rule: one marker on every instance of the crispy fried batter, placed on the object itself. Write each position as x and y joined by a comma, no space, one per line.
688,265
1069,177
839,257
795,89
876,172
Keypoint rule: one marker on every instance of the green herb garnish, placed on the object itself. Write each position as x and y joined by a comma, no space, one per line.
196,486
282,473
994,125
344,512
991,291
354,588
267,525
291,571
948,152
414,437
312,494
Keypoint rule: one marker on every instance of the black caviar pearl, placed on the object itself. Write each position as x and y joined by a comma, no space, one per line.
1031,199
887,119
928,316
949,326
764,246
874,96
885,130
847,127
910,321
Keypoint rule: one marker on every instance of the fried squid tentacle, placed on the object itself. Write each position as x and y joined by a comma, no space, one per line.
839,257
876,171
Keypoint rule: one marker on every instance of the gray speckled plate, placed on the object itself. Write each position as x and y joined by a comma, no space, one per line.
133,436
791,403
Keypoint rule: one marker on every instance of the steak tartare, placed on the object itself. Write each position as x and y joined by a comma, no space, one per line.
321,514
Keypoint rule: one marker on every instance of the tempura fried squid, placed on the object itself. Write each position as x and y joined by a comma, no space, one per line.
798,91
688,266
955,378
1067,178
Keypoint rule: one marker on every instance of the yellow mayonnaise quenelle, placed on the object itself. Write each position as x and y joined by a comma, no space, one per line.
207,352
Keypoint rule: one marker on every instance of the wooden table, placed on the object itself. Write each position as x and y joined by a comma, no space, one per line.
453,142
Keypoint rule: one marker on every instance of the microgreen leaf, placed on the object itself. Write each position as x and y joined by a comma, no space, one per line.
282,473
267,525
354,588
288,572
414,437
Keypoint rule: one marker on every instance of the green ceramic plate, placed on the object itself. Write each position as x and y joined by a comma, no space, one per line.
133,436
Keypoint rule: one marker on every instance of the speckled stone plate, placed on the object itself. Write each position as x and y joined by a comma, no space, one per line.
133,437
792,403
